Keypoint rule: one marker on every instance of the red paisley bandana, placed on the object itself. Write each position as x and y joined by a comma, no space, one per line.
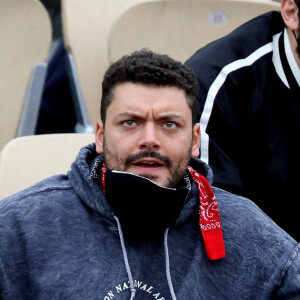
209,220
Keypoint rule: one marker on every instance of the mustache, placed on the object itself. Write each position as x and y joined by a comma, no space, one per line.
143,154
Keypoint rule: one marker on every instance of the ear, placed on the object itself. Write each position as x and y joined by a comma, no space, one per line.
99,137
196,140
289,12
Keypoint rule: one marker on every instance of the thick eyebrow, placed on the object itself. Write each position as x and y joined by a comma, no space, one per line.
128,115
171,117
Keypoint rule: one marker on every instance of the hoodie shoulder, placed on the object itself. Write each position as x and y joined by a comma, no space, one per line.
255,242
42,192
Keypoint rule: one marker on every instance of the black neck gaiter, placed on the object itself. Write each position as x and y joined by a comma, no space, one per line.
144,208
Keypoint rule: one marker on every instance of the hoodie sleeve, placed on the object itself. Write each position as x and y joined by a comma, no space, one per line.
2,278
289,283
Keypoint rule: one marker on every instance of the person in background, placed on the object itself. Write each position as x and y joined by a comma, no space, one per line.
57,112
124,222
249,102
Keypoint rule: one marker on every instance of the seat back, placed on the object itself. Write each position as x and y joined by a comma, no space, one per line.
25,37
179,28
97,32
29,159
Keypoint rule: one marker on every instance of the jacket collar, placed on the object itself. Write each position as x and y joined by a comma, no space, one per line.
284,61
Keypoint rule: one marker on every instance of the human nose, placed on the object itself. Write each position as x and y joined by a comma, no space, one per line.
149,138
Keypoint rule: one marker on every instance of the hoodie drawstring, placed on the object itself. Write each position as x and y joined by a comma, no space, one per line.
125,257
132,289
168,265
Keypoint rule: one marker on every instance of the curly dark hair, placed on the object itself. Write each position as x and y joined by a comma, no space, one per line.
149,68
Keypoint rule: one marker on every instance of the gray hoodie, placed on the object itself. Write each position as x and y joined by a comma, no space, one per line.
59,239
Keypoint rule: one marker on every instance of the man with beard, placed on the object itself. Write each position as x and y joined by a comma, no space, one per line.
249,103
124,223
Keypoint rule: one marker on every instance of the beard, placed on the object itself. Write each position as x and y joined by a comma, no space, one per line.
176,169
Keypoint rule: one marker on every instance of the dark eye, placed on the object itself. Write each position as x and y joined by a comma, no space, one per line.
170,125
129,123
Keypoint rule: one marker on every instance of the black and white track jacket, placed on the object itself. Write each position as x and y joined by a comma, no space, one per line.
249,102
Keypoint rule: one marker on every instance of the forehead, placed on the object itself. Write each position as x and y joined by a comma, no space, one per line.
142,97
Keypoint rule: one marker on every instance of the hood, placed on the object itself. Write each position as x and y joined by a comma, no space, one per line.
83,184
88,189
